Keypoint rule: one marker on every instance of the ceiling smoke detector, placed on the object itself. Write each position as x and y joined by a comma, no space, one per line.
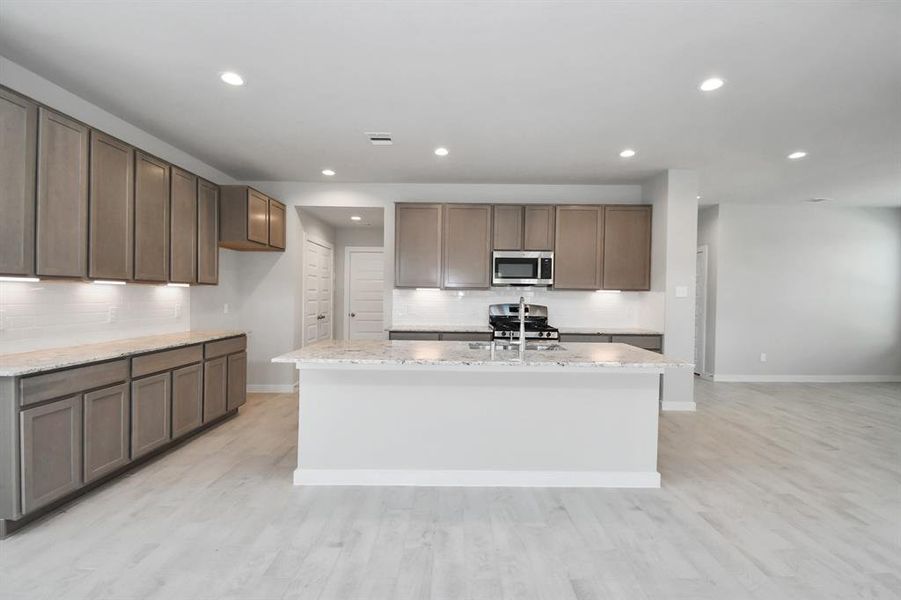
379,138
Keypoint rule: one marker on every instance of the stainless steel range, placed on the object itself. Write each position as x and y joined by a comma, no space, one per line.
504,320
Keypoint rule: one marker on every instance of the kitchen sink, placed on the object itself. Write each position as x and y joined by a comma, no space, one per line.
509,346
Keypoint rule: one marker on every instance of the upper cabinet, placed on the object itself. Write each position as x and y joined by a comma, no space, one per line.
276,224
18,159
507,227
417,245
183,228
111,205
467,246
247,221
62,196
627,248
578,250
538,232
207,232
151,219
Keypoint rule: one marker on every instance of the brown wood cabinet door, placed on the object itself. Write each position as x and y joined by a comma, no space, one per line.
151,219
237,380
111,211
507,227
187,399
578,247
257,217
276,224
50,451
538,233
183,228
417,245
62,196
467,246
150,409
214,388
207,232
107,418
627,248
18,160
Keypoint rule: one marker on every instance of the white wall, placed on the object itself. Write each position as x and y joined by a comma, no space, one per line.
350,237
816,288
708,235
48,314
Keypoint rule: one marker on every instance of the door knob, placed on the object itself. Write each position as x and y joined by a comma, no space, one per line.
353,314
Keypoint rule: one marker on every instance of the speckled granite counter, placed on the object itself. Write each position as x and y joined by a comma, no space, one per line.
25,363
456,354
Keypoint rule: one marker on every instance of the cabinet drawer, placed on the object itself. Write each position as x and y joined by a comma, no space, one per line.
165,361
648,342
223,347
585,337
414,335
70,381
466,336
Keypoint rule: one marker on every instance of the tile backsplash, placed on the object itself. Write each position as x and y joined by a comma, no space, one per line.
641,310
47,314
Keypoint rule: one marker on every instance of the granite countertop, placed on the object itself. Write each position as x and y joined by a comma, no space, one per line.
441,328
24,363
461,354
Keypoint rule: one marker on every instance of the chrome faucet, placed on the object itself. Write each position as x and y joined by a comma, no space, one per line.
522,327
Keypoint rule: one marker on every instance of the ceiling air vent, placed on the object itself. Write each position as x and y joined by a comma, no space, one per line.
379,138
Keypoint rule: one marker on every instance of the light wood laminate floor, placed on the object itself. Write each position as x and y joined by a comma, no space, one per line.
769,491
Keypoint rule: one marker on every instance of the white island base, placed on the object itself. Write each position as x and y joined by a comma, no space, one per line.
477,425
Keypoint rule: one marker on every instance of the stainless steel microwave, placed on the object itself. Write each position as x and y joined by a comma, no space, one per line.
513,267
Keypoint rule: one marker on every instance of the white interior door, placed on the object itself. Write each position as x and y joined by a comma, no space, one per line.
701,310
317,310
364,293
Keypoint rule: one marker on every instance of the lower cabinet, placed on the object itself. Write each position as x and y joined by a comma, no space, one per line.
584,337
214,388
445,336
51,451
107,417
150,420
187,399
237,380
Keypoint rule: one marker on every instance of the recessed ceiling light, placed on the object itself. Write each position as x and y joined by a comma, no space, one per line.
797,154
328,172
232,78
627,153
356,218
714,83
441,151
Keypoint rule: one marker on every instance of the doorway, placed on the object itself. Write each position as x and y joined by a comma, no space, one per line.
318,262
364,293
701,310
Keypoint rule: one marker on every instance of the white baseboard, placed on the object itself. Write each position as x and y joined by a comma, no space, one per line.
265,388
463,478
807,378
683,406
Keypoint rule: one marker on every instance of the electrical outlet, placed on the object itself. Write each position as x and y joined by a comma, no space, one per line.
763,357
681,291
112,315
177,310
225,308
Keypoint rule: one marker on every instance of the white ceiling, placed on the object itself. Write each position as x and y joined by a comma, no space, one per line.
340,216
538,92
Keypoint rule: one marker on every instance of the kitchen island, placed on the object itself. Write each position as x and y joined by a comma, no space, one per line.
462,414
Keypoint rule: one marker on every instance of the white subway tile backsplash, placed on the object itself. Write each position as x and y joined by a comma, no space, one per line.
642,310
50,313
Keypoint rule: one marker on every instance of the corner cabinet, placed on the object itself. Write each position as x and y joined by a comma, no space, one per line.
250,220
18,160
467,246
417,245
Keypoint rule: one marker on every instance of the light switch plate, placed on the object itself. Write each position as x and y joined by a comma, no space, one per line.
681,291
